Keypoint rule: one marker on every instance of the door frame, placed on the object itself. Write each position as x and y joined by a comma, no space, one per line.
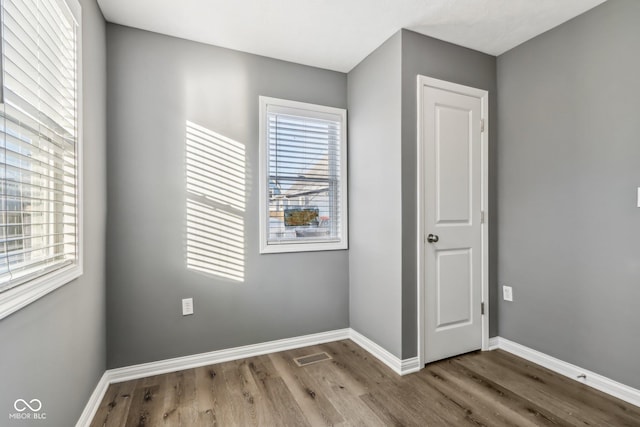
483,95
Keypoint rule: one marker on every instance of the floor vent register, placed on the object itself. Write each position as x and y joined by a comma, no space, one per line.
311,359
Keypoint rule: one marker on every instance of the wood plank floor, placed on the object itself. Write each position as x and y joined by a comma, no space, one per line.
355,389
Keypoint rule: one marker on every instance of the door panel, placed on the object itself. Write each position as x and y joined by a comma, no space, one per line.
451,138
452,164
453,270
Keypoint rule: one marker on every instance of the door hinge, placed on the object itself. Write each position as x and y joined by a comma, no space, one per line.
482,125
482,308
481,217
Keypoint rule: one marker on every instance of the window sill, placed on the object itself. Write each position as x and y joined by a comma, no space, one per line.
19,297
279,248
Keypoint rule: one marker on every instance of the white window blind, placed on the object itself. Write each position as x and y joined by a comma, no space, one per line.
305,176
38,140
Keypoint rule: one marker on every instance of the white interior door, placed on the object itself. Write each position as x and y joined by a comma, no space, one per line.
452,122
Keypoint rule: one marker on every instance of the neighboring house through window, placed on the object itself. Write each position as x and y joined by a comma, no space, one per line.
303,177
39,149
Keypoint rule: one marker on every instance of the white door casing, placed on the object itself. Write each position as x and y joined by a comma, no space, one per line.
452,203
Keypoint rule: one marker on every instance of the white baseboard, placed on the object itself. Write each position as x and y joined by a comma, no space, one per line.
494,343
93,404
203,359
399,366
410,365
112,376
597,381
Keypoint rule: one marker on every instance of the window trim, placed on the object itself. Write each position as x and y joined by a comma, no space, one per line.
302,246
18,297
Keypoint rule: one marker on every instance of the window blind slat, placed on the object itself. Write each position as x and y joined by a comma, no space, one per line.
14,59
22,19
37,255
294,149
30,163
303,127
40,265
37,237
10,200
307,160
4,227
18,67
52,70
34,212
297,138
35,25
22,103
30,179
24,151
26,128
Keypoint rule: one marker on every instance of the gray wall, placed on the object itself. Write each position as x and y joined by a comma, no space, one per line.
375,264
568,172
155,84
434,58
54,349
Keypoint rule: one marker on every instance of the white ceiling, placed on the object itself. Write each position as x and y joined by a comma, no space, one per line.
338,34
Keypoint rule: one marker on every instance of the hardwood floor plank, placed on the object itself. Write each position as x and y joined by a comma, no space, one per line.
306,390
115,405
529,387
215,406
203,384
249,407
344,394
277,396
340,377
147,402
365,369
355,389
492,403
507,400
179,406
388,416
442,409
614,412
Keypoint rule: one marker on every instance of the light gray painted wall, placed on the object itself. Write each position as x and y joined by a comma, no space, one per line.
568,172
374,196
54,349
155,84
434,58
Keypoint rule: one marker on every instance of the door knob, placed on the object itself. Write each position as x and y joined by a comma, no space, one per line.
433,238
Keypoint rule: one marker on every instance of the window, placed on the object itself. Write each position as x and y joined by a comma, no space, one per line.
39,149
303,171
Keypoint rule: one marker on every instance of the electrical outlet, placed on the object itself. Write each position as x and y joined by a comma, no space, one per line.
507,293
187,306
